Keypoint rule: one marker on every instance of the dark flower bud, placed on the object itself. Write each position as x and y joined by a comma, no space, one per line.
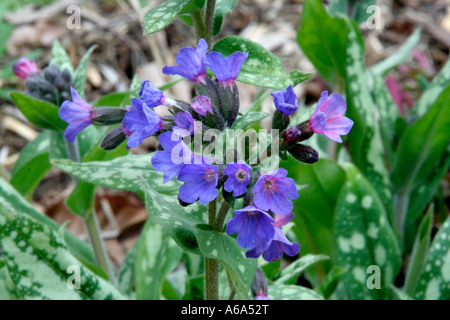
105,116
292,134
182,203
305,130
304,153
280,120
66,75
51,73
113,139
259,284
45,87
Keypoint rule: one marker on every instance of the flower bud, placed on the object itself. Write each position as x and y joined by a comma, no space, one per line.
280,120
304,153
105,116
113,139
259,284
24,68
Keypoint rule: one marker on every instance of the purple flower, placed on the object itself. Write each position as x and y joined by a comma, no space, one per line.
328,118
275,248
185,124
200,179
285,100
253,226
175,154
227,69
273,191
24,67
151,95
191,63
238,178
77,113
141,121
202,105
283,219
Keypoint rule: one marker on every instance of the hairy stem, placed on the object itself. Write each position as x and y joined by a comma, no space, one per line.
220,218
90,219
209,21
198,24
212,265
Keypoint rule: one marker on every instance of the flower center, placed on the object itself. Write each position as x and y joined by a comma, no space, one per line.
241,175
210,175
268,184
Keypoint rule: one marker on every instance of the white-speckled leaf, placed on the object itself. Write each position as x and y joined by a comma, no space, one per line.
157,255
60,58
178,221
158,18
434,281
38,260
364,138
215,245
291,292
363,238
123,173
290,274
11,200
261,68
249,118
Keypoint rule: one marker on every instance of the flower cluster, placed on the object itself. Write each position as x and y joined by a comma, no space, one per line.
267,196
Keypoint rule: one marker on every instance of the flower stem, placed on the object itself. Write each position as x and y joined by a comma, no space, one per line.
90,219
212,265
220,218
209,21
198,24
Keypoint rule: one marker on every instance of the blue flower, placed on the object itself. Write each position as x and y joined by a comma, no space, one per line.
227,69
273,191
151,95
253,226
77,113
238,178
285,100
185,124
273,250
191,63
200,179
141,121
175,154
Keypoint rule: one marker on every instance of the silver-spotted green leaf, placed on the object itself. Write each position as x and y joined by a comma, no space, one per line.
249,118
401,295
40,113
157,255
127,271
38,261
178,221
429,96
291,292
434,281
60,58
363,238
11,200
135,87
261,68
220,246
290,274
79,77
158,18
32,165
398,57
419,252
364,138
122,173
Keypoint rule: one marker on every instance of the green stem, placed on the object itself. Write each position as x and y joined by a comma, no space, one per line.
209,21
220,218
212,265
93,229
198,24
90,219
